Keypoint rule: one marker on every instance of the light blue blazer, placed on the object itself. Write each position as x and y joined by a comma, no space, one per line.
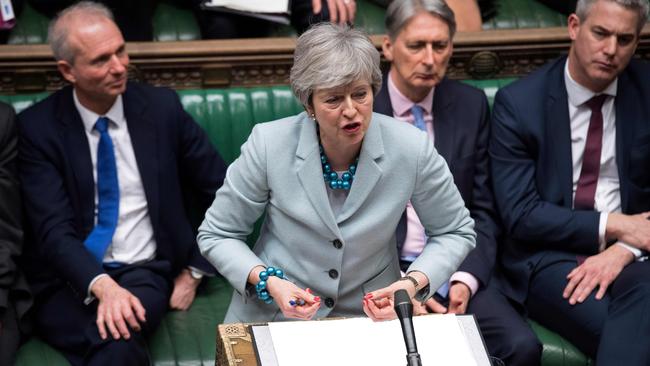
279,171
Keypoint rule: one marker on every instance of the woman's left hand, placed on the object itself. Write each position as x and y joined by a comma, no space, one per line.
378,305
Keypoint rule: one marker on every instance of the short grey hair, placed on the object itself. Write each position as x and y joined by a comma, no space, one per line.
641,7
59,28
329,56
400,12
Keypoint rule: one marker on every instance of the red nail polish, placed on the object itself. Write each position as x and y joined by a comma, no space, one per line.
316,298
308,290
368,296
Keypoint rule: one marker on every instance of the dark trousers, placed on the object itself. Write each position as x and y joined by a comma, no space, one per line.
132,17
64,322
506,333
10,335
614,329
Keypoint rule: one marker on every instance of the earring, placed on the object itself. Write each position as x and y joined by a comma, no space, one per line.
313,116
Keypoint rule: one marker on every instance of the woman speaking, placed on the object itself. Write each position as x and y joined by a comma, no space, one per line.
333,183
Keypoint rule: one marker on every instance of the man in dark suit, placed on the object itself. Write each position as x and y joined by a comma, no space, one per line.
456,116
570,151
15,299
105,166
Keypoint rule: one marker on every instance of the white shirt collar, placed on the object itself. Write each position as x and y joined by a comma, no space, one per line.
89,118
578,94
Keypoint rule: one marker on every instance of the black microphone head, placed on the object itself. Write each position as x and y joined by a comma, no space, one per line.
402,297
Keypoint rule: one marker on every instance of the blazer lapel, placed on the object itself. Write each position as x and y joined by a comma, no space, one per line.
558,132
443,126
144,139
382,100
625,104
311,176
368,171
78,154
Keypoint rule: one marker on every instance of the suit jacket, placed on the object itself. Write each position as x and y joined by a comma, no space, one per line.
14,290
173,155
279,171
530,151
461,130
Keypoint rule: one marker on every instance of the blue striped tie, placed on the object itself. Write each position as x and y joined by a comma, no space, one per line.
108,193
418,115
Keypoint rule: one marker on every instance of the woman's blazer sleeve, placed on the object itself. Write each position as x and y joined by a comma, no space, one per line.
448,225
231,218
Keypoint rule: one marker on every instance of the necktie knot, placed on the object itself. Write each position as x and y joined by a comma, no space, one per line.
418,116
596,102
102,124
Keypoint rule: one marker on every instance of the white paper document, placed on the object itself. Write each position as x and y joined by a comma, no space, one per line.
360,341
253,6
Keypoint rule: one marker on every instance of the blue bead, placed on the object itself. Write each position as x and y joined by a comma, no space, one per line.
352,169
323,159
260,286
263,295
339,184
326,177
333,176
333,184
346,177
292,302
269,300
270,271
264,276
279,273
327,168
346,185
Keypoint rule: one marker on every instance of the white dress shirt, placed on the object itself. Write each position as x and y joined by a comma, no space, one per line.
415,236
608,195
133,240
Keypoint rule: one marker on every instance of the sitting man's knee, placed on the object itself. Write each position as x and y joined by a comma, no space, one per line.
121,352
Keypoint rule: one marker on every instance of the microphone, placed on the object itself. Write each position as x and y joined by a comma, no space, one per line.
404,310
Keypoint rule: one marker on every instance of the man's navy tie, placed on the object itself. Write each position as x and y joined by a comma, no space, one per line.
418,119
108,193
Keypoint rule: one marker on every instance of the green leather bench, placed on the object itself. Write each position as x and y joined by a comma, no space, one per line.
171,23
228,115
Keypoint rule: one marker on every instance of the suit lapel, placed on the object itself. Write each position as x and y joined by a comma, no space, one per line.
382,100
310,174
144,139
443,126
78,154
368,171
558,132
625,105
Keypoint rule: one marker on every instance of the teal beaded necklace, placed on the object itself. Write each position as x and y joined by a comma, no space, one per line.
332,178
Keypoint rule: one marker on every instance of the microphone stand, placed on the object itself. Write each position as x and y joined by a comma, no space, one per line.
404,310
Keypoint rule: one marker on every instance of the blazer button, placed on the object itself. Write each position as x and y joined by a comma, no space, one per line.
337,244
333,273
329,302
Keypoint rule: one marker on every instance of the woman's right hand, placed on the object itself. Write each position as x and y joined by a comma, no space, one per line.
285,293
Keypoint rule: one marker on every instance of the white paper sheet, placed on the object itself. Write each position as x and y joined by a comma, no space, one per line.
254,6
360,341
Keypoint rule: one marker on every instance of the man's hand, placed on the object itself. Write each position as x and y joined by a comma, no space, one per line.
459,295
117,308
184,291
429,306
630,229
598,270
341,11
